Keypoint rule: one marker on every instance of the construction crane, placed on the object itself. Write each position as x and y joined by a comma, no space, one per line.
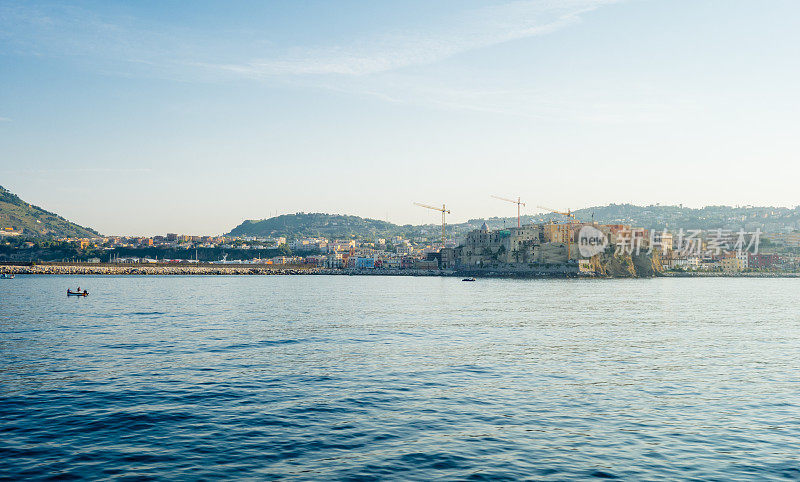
571,219
518,202
568,214
443,210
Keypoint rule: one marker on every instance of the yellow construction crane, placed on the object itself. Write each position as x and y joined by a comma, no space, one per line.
568,214
518,202
443,210
571,219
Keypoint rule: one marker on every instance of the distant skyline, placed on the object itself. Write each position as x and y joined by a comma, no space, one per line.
147,117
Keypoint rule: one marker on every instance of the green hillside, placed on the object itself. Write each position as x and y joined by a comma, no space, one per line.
34,221
315,224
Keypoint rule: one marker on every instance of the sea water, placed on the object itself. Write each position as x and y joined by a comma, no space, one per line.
370,377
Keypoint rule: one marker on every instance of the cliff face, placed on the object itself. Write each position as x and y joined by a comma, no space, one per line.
613,265
647,265
617,266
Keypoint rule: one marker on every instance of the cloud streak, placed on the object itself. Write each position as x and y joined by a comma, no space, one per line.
463,32
635,104
388,66
70,31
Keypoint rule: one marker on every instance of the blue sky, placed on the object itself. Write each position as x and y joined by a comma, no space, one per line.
155,116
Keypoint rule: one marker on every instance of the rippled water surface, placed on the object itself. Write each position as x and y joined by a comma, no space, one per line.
318,377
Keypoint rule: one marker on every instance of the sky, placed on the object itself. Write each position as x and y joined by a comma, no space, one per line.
157,116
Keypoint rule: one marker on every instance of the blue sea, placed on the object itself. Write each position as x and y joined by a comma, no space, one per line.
382,378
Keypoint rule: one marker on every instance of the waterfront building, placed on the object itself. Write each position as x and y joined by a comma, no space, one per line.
334,260
686,262
730,265
388,263
364,263
763,261
743,259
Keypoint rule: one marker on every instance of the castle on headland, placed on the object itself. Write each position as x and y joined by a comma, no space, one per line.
556,248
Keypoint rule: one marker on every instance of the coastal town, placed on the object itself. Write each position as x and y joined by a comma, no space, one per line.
611,241
545,248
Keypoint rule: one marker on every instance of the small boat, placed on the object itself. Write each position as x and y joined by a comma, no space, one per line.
7,276
468,279
77,293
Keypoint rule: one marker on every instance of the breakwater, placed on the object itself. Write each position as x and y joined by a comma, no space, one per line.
738,274
228,270
158,270
138,269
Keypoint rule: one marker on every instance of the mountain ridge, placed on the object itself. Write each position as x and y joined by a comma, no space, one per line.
766,218
34,221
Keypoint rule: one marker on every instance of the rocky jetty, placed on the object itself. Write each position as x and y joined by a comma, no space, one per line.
59,269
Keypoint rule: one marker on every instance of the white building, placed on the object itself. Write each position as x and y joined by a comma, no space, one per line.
742,257
692,262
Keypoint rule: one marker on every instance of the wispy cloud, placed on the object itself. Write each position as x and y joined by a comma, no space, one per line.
378,65
633,104
65,30
462,32
5,119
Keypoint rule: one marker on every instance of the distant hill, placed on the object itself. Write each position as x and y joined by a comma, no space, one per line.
315,224
768,219
34,221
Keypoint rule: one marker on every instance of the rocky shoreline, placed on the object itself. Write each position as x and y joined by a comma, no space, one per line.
717,274
203,270
233,270
50,269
